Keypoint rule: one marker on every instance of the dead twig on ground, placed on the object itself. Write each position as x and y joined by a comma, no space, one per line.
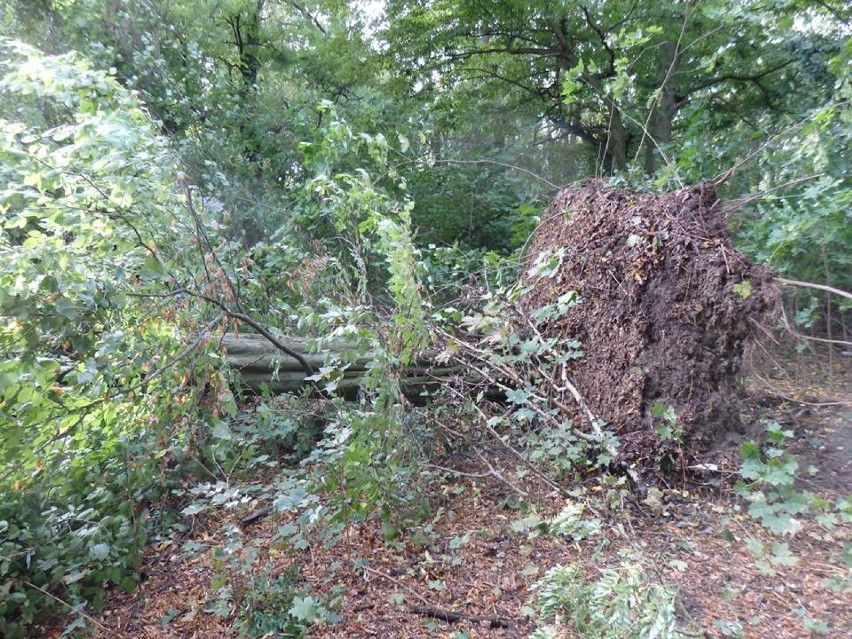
453,617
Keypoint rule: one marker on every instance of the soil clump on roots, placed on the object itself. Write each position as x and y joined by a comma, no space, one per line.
665,312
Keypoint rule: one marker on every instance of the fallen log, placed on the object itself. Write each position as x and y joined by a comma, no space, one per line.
249,352
261,364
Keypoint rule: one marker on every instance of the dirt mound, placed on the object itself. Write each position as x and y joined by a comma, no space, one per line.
665,312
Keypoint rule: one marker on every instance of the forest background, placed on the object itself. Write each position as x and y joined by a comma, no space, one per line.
359,172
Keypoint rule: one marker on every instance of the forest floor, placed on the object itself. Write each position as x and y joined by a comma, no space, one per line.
481,553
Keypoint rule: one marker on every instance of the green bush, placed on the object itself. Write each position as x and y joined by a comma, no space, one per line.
91,408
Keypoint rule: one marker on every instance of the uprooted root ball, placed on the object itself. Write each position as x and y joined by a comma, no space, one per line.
666,309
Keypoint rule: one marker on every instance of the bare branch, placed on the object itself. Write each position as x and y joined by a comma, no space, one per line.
821,287
664,84
737,77
202,234
310,17
602,37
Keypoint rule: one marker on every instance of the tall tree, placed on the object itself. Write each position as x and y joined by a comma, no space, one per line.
618,75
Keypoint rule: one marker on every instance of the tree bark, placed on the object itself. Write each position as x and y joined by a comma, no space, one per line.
262,365
663,111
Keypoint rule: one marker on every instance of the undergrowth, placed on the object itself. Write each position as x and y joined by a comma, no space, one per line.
620,604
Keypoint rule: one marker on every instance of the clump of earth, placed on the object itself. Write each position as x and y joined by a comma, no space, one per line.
667,307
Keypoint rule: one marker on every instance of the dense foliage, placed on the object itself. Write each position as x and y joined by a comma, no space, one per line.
171,169
80,350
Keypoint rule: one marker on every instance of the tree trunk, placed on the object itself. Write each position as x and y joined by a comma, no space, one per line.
261,365
663,112
612,149
616,144
246,32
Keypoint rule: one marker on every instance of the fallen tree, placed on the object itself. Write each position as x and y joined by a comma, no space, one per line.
261,364
635,312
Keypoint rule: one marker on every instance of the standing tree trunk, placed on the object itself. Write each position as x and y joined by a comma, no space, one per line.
615,151
659,128
246,31
612,149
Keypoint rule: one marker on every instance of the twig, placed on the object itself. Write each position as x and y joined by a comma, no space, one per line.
809,338
186,351
777,393
728,174
733,206
459,472
822,340
202,234
500,477
115,214
174,293
597,437
768,333
124,391
67,605
526,462
412,592
596,427
257,515
505,165
659,92
256,326
452,617
821,287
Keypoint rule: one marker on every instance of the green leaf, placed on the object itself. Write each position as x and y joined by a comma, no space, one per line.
750,450
74,576
304,609
229,403
743,289
678,565
193,509
100,551
221,430
780,473
518,396
752,468
781,555
754,546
